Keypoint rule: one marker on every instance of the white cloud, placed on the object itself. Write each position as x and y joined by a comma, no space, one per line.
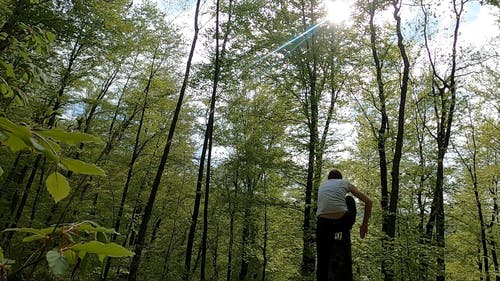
480,29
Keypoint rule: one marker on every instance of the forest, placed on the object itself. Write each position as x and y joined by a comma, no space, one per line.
186,140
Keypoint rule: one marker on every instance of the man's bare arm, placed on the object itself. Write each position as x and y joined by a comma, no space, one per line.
368,210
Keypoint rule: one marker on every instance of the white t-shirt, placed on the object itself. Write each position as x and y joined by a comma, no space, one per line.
331,196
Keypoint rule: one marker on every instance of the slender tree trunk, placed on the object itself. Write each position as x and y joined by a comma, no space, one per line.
472,170
37,196
245,242
398,150
135,155
264,247
219,55
230,248
207,145
492,225
13,173
494,258
134,266
169,249
389,199
15,198
445,100
312,99
232,211
387,268
215,248
22,203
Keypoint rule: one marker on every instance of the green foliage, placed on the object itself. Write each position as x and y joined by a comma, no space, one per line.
46,142
58,263
57,186
73,73
81,167
5,266
23,40
74,242
102,249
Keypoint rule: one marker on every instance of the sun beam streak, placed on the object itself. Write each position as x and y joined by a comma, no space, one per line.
286,44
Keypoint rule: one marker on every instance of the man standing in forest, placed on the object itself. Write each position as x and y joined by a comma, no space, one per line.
335,217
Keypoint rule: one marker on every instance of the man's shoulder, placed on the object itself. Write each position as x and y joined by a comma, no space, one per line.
335,182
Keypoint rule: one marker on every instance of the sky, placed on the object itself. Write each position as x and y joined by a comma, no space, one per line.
479,26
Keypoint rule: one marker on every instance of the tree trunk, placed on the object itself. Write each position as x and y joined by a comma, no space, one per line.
22,203
15,198
245,242
232,211
264,247
138,147
38,194
169,249
445,100
312,108
390,223
134,266
492,225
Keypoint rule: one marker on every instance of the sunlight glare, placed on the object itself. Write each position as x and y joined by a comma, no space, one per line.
338,11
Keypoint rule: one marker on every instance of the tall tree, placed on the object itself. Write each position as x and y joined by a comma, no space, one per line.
444,93
134,267
389,197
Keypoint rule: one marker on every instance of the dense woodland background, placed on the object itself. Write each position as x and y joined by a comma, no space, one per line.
203,144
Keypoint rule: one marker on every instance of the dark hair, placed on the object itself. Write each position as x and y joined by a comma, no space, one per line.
334,174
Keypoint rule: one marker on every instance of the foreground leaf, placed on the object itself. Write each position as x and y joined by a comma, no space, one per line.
57,263
57,186
99,248
20,131
15,144
69,137
89,228
81,167
71,257
27,230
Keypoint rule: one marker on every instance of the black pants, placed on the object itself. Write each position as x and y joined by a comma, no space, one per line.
333,243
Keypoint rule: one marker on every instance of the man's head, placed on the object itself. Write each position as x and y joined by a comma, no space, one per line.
334,174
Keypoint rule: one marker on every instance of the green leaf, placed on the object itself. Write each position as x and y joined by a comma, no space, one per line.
43,145
99,248
58,263
82,254
1,255
4,88
58,186
21,132
9,69
37,145
89,228
15,144
1,171
50,36
71,257
81,167
38,233
102,237
69,137
26,230
35,237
